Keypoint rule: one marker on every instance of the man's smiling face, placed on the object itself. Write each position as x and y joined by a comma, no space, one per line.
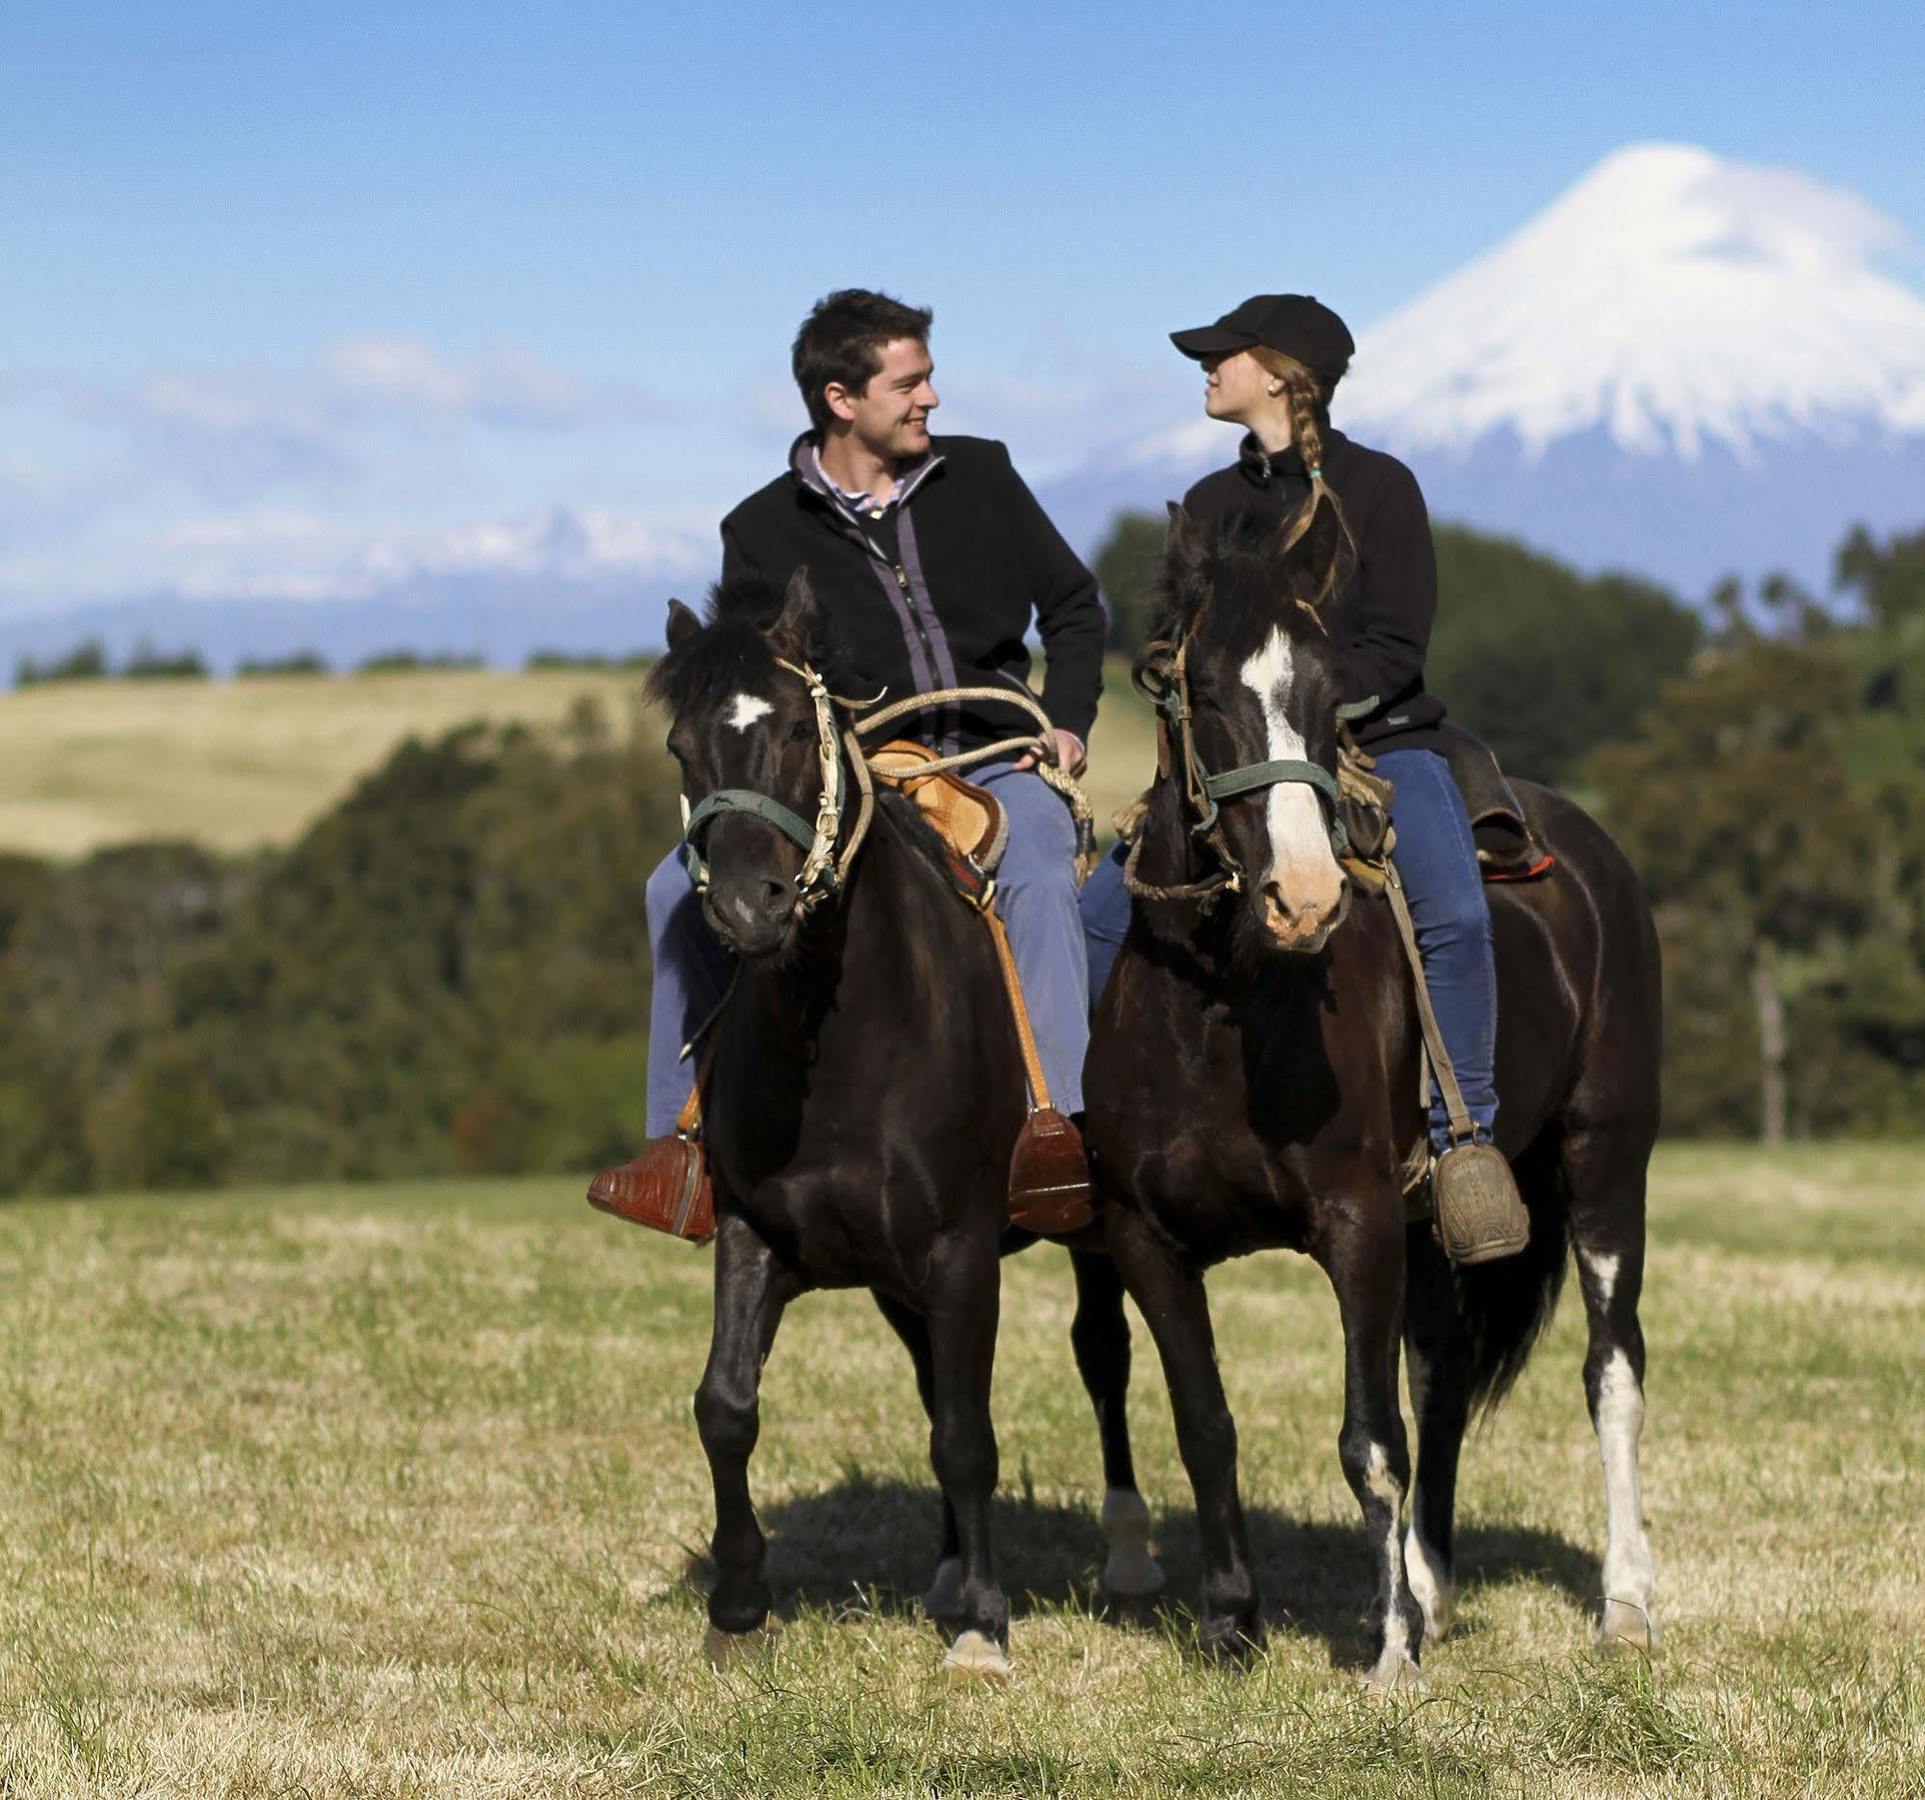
890,416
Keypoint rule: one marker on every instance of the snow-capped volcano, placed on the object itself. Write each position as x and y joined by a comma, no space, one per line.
1684,366
1674,301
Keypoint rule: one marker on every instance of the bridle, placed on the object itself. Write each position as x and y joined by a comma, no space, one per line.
1161,674
822,871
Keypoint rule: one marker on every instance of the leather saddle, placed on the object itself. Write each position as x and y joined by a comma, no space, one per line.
1508,849
969,820
1049,1184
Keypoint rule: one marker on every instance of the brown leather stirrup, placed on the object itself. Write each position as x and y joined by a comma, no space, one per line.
1049,1185
667,1187
1480,1215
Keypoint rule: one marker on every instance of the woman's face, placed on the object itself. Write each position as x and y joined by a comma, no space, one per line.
1235,387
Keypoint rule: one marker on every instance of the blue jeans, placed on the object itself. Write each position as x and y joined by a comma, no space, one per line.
1438,863
1437,860
1035,895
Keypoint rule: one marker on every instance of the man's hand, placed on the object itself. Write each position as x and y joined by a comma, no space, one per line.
1069,748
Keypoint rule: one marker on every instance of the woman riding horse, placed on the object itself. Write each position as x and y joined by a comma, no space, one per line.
1270,365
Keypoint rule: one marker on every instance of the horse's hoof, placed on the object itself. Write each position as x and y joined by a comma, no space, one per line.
1231,1645
1131,1572
1627,1629
976,1656
944,1598
726,1648
1396,1673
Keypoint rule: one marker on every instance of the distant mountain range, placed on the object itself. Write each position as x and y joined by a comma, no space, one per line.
498,616
1684,367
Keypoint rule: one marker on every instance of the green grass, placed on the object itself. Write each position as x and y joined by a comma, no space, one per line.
394,1491
235,765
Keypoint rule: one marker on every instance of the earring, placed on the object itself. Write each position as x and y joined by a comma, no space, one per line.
1276,387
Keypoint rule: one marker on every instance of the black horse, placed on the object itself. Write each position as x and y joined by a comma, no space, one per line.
864,1092
1253,1081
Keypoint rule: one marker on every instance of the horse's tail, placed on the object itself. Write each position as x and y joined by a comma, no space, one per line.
1507,1303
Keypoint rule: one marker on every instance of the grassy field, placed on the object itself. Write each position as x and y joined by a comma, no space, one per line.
238,764
394,1491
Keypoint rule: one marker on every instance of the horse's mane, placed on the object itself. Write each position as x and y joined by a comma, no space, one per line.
732,649
1195,562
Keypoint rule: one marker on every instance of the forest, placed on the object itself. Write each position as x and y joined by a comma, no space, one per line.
447,973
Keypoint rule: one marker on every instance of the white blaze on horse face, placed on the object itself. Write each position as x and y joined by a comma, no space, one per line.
1302,865
747,709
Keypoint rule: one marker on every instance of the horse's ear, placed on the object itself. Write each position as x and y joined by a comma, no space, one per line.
1186,547
683,625
794,627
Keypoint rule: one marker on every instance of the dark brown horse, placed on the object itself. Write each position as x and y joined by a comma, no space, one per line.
864,1094
1253,1082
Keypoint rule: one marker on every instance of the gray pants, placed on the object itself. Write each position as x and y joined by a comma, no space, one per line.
1035,894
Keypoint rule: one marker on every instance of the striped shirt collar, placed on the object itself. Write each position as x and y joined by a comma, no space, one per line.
806,460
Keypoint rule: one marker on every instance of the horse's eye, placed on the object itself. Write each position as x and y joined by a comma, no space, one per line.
801,731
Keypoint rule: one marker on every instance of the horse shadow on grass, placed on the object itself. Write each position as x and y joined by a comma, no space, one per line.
868,1546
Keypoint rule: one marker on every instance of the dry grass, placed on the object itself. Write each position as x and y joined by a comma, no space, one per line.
238,764
392,1491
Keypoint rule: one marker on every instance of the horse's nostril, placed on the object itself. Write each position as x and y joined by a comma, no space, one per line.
1274,899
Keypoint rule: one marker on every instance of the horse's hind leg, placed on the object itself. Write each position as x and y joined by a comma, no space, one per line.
751,1289
1439,1360
1605,1175
945,1591
1170,1296
1363,1254
1101,1339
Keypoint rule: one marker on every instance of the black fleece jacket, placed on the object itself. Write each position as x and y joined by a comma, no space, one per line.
940,591
1381,620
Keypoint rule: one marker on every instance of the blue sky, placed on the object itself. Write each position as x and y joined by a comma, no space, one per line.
293,298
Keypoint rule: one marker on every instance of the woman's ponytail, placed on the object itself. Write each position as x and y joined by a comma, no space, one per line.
1309,403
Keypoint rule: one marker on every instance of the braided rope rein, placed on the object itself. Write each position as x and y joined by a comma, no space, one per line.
1043,746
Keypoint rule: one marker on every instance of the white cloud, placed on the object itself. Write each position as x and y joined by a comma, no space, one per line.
380,453
505,387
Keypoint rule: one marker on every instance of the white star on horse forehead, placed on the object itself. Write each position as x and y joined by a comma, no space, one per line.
746,708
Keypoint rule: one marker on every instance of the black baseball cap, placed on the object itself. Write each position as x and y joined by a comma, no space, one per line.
1299,325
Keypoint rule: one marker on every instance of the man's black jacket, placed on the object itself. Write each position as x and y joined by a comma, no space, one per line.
1381,620
940,591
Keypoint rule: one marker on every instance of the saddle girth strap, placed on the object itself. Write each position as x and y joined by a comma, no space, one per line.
1458,1115
1032,1060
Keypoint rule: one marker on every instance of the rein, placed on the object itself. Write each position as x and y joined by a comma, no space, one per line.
1162,676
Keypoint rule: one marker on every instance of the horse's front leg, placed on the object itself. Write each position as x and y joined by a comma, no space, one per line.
1171,1298
964,1299
751,1289
1362,1252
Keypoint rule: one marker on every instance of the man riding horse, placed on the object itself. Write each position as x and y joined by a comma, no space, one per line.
929,559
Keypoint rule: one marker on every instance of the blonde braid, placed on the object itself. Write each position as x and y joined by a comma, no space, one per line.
1308,399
